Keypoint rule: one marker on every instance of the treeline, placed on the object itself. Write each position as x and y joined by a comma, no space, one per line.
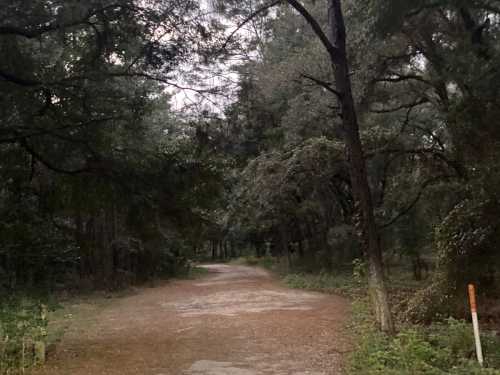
100,182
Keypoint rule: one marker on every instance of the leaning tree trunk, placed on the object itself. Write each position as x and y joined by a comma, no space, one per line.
357,167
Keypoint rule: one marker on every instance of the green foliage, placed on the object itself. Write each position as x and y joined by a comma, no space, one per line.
466,242
30,242
266,262
286,193
325,282
439,349
196,272
95,163
23,333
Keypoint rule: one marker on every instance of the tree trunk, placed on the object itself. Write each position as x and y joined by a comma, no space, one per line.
285,246
301,249
357,168
231,246
221,250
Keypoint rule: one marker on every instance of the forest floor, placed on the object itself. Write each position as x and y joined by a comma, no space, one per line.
237,320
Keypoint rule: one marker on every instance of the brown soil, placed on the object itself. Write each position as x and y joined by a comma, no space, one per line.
236,321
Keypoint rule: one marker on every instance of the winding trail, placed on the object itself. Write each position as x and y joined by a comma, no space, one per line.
236,321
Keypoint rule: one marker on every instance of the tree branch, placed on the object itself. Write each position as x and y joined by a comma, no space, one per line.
49,164
413,203
332,50
322,83
38,131
397,77
247,20
18,80
36,31
438,154
402,106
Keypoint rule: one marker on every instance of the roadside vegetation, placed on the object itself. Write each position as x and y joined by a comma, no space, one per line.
23,333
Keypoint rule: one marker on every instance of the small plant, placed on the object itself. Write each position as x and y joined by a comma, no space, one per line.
359,271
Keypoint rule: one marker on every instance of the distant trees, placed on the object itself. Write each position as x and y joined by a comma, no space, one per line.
293,199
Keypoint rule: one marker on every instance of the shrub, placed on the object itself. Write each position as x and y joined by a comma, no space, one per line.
466,242
267,262
324,282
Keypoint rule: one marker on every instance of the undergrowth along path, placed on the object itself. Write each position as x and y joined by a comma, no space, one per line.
237,320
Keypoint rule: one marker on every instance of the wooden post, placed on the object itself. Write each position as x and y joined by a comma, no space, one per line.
475,323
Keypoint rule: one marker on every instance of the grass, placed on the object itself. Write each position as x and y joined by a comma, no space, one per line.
266,262
325,282
335,283
196,273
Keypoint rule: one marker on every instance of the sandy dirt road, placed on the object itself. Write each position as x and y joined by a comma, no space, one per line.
235,321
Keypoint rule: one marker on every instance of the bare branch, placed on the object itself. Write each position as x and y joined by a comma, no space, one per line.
398,77
414,202
322,83
401,106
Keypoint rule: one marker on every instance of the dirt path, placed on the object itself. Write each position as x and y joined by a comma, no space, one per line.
236,321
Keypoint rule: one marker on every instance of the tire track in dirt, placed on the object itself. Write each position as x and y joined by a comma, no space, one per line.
237,321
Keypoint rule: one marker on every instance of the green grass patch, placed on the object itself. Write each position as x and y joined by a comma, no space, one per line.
196,273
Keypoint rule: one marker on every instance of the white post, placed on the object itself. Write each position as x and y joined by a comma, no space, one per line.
475,323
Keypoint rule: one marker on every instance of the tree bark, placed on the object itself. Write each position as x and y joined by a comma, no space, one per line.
221,250
301,249
285,245
231,246
357,168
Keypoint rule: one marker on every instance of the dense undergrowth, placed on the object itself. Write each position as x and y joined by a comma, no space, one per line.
441,348
444,347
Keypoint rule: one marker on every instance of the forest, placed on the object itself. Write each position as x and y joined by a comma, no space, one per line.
351,147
